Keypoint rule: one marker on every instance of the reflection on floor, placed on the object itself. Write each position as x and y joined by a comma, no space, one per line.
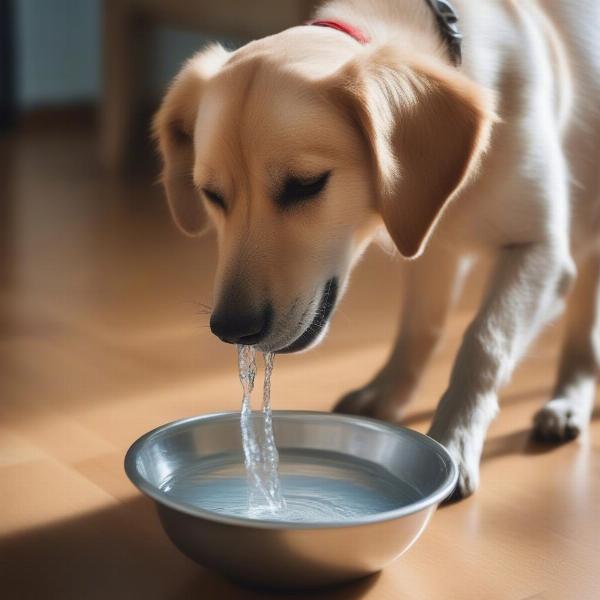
102,338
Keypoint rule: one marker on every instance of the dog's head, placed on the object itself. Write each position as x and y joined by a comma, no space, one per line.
297,148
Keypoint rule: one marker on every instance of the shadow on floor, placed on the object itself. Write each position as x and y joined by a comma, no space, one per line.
522,442
121,553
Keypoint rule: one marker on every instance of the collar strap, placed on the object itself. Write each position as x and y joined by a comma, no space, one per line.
353,32
445,16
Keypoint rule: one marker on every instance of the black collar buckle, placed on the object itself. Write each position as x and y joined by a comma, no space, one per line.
447,20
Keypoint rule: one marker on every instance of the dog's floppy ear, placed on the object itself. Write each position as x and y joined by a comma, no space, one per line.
426,125
174,129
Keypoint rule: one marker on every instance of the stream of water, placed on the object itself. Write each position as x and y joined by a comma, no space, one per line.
260,452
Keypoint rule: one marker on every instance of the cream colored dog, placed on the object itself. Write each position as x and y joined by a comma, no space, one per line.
302,146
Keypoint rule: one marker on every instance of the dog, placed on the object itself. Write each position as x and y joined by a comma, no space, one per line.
457,141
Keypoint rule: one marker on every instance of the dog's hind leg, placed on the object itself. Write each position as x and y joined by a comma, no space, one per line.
431,284
568,413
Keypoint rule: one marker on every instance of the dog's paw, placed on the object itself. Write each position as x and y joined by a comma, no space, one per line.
560,420
375,400
465,449
468,473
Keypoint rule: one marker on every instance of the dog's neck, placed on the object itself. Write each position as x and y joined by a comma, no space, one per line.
402,21
442,12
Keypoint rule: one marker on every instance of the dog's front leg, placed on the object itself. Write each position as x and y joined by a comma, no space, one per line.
432,282
526,290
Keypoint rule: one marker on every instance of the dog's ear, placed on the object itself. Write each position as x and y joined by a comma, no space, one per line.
426,126
174,130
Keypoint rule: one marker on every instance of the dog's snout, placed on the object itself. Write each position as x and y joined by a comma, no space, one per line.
241,326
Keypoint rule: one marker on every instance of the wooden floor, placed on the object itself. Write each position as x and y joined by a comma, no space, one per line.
102,339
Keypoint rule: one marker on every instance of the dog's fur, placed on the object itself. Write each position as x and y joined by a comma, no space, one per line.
498,157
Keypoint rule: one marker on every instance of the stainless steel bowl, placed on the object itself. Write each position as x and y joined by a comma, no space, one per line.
280,554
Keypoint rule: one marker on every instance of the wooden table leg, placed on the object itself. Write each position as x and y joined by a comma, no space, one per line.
119,56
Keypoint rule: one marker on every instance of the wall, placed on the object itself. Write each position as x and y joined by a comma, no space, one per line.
58,52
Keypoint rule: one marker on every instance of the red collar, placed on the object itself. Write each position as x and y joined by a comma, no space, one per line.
353,32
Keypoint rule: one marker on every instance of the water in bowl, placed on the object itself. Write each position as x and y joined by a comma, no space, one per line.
319,487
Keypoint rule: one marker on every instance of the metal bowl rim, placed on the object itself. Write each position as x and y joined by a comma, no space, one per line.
165,499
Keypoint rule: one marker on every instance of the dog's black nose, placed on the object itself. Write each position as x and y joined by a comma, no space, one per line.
236,326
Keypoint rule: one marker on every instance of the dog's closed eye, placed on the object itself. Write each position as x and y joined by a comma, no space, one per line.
214,198
298,189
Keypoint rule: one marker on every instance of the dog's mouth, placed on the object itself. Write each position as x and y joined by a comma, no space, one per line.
322,314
